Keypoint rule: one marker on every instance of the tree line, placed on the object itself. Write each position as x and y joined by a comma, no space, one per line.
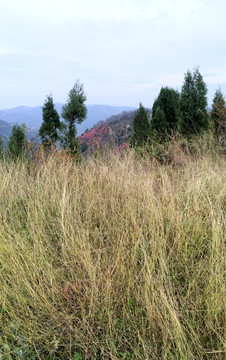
184,112
52,129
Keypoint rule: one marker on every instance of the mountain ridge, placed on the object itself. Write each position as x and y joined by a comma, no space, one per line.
32,116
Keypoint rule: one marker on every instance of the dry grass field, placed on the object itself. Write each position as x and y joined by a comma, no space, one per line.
113,258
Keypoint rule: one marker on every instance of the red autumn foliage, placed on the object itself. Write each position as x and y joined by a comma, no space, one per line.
94,135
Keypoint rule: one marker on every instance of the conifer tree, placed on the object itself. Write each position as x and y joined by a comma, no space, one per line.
159,125
17,141
141,128
218,113
74,112
193,116
168,102
49,130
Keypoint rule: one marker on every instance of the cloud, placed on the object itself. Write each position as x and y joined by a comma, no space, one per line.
133,10
86,9
122,51
218,78
3,50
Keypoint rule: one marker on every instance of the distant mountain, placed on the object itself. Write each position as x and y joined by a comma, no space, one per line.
113,132
32,116
5,130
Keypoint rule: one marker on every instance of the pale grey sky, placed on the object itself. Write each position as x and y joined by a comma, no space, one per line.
122,51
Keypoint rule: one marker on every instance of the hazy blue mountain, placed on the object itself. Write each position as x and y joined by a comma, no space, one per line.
32,116
5,130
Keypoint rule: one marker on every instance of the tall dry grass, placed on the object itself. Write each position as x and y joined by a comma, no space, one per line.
117,258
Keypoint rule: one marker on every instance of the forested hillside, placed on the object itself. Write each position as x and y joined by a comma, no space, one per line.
114,131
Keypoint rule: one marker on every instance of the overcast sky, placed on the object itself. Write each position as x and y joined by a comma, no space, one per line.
122,51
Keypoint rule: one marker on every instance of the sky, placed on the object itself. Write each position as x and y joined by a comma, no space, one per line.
123,51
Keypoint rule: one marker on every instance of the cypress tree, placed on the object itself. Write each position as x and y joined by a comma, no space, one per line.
17,141
51,123
159,125
74,112
168,102
193,116
141,128
218,113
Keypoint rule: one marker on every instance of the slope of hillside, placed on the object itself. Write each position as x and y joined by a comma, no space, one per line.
32,117
5,130
114,131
